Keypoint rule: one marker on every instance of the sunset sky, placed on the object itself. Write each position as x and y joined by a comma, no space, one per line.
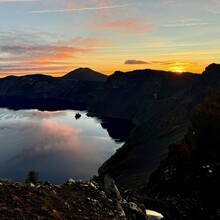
56,36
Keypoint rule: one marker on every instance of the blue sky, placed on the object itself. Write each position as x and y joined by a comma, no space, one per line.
56,36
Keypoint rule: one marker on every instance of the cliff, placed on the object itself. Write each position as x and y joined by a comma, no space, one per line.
161,105
192,167
183,182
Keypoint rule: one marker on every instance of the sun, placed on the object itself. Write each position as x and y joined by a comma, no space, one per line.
178,69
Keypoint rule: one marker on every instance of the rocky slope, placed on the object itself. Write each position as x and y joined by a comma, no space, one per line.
72,200
191,170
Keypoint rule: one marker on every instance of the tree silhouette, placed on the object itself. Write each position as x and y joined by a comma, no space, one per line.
32,176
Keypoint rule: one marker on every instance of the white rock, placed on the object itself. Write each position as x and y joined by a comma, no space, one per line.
133,206
92,185
31,185
122,213
67,204
71,181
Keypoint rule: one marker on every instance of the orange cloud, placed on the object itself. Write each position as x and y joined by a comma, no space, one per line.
49,137
46,114
50,128
58,57
83,42
125,25
51,53
55,138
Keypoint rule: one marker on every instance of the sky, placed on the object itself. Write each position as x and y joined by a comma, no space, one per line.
55,37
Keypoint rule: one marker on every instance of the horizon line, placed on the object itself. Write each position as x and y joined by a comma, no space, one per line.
3,75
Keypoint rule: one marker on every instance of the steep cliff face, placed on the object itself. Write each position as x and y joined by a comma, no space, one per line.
160,104
192,168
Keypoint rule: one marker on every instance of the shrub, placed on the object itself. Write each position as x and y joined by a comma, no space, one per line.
32,176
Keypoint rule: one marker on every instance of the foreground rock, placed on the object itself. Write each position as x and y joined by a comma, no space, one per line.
73,200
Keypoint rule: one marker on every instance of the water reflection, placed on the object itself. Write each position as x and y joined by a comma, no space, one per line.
54,143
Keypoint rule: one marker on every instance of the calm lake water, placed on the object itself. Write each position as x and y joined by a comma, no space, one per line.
55,144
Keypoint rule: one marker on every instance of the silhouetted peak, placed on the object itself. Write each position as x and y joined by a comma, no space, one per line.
118,72
85,74
212,71
82,69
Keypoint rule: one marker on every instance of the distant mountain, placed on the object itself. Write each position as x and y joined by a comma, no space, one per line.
47,92
85,74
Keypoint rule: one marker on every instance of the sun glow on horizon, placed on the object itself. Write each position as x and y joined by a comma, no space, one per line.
179,71
178,68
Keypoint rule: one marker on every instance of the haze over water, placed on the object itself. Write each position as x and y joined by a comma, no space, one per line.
53,143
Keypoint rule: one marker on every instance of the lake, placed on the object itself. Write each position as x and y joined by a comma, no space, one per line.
56,144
